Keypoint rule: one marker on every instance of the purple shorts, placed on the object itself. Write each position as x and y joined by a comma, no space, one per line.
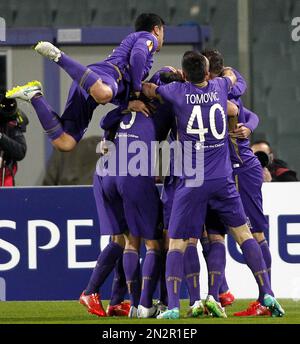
128,204
190,206
249,183
80,105
167,197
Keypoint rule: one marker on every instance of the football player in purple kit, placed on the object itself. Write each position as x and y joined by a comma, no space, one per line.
203,101
111,80
100,83
128,202
248,175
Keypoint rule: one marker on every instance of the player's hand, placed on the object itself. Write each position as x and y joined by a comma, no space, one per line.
241,132
138,106
102,147
267,175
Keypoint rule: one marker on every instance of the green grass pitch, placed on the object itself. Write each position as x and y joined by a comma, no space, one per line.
71,312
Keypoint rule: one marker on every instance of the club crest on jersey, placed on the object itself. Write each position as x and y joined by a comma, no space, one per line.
198,145
149,45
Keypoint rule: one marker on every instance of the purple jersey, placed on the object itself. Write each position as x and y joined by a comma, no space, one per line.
135,126
202,120
134,57
241,154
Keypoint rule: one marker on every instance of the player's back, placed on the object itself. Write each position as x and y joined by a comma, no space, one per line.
120,56
201,114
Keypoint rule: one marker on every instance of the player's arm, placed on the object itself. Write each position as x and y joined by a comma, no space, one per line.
141,51
244,130
64,143
228,72
232,109
252,120
240,86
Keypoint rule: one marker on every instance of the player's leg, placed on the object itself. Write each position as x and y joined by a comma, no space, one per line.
250,183
167,197
150,276
131,265
163,293
109,209
187,215
192,275
86,78
51,123
216,266
143,212
65,131
117,306
230,208
174,276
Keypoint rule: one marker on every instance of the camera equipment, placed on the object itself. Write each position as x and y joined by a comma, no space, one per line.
8,109
263,158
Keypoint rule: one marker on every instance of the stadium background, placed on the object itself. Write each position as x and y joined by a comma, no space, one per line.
254,36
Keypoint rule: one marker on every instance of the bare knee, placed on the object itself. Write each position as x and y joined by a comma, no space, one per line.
241,233
64,143
131,242
193,241
152,245
259,236
101,92
118,239
178,244
216,237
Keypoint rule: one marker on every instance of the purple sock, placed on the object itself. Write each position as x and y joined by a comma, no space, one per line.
49,119
216,265
82,74
163,293
224,286
192,272
105,264
119,287
174,274
131,264
150,272
267,255
205,246
255,261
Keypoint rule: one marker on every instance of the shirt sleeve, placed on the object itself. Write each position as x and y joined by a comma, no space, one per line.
225,83
112,118
168,91
240,87
141,60
251,119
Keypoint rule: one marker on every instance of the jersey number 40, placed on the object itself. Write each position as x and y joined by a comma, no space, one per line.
201,131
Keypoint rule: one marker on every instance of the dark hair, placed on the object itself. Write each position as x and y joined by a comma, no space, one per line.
194,66
168,77
147,21
259,142
216,61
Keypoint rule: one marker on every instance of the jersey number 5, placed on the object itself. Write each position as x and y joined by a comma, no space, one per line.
130,124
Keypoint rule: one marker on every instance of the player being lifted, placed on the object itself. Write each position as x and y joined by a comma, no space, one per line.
103,82
110,80
218,188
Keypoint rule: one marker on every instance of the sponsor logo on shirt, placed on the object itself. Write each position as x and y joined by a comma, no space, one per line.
149,45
